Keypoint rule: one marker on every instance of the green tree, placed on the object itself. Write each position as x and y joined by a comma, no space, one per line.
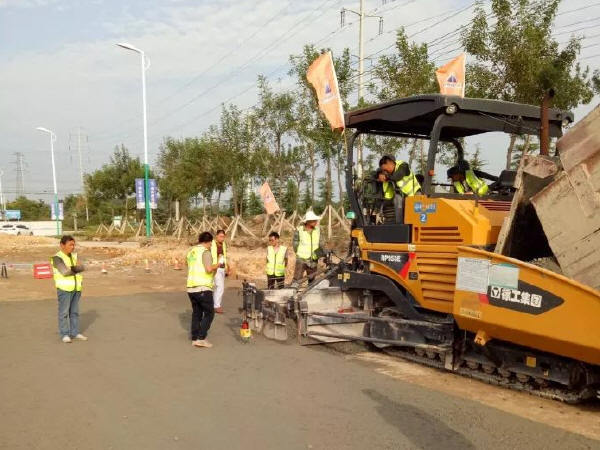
30,209
517,59
110,188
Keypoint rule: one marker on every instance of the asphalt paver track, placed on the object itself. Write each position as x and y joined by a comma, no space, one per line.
139,384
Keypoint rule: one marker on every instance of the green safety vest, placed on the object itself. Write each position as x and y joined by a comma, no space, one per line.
276,261
408,185
309,243
388,190
68,283
197,274
476,184
213,251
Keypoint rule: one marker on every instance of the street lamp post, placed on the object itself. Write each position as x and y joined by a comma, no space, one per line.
146,166
2,203
52,139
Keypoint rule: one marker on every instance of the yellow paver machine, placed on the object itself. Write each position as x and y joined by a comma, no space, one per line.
458,281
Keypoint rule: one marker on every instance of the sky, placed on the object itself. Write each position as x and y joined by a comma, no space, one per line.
60,68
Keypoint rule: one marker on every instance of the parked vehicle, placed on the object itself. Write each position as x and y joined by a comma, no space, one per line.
16,229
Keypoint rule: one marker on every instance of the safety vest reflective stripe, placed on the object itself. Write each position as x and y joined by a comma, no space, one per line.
213,251
476,184
458,187
68,283
408,185
197,274
388,190
309,243
276,261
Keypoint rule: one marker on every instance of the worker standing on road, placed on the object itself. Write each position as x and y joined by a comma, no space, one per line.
307,246
218,251
399,172
68,280
200,282
465,180
277,259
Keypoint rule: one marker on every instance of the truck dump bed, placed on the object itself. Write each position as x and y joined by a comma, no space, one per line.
569,207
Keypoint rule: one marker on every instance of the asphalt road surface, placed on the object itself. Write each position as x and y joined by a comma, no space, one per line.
139,384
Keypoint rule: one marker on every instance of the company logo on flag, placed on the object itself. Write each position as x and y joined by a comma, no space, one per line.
271,206
451,76
321,74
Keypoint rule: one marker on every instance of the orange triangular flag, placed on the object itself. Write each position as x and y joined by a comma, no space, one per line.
451,76
321,74
271,206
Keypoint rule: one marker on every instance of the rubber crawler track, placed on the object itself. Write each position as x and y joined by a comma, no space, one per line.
553,393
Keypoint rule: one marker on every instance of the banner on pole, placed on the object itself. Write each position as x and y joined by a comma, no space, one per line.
451,76
321,74
271,206
140,200
153,193
61,211
139,193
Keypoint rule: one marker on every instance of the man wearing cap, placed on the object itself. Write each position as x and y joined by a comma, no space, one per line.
307,246
465,180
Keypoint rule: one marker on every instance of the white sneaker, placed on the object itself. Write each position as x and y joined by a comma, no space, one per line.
80,337
66,339
202,343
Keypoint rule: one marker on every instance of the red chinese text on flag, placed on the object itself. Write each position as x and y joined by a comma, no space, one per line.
271,206
321,74
451,76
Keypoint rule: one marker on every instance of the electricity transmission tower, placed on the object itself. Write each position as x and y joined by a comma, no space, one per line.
20,163
81,139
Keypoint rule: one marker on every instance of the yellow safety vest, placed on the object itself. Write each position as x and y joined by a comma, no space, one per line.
309,243
276,261
408,185
476,184
388,190
68,283
213,251
197,274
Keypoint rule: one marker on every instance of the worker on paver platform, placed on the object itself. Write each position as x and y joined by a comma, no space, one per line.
218,251
200,283
399,172
68,280
388,193
465,180
277,259
307,246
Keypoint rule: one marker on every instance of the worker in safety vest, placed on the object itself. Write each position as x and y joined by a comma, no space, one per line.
388,193
200,283
399,173
464,180
277,258
307,246
218,251
68,280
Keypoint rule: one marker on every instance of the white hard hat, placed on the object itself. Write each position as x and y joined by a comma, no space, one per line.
310,215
